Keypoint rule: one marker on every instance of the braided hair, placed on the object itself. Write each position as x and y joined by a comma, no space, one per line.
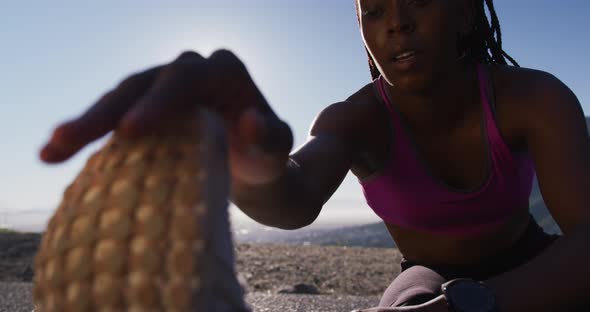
483,44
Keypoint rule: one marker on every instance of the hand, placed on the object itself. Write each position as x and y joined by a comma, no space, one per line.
259,142
438,304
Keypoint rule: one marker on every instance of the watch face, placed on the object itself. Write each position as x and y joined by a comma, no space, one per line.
470,296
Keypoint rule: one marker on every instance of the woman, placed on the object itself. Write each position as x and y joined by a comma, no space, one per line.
444,141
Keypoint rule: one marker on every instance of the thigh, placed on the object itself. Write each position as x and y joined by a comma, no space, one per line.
415,285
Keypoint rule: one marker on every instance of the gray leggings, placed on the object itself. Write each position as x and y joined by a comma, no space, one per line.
418,283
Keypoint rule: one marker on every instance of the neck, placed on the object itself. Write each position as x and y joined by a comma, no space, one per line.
441,105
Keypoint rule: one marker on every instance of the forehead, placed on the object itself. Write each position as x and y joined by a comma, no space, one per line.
450,6
368,2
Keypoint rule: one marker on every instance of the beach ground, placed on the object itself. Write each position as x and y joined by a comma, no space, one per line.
16,297
276,277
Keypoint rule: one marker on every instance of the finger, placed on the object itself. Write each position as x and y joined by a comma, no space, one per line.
99,119
172,95
252,161
233,87
278,137
264,133
220,82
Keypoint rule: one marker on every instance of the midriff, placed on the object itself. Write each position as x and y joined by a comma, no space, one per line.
436,249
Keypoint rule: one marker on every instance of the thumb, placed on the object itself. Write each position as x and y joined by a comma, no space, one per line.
264,132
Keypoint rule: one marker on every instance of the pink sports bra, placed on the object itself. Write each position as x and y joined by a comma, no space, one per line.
406,193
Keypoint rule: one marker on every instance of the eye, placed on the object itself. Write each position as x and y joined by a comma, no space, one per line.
373,13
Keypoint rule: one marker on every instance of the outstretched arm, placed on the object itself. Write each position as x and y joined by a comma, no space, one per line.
311,175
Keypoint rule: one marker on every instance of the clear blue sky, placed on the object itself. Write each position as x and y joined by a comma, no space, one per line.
57,57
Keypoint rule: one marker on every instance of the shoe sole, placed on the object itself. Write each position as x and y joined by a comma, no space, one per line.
131,231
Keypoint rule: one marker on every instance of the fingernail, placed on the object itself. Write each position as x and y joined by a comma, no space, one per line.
131,116
254,113
129,125
45,152
50,153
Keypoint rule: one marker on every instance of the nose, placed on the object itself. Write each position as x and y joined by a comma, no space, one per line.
401,20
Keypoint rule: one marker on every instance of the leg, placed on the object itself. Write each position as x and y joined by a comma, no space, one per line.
415,285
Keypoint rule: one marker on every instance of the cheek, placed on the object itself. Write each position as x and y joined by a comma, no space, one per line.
440,41
373,41
446,32
380,40
367,39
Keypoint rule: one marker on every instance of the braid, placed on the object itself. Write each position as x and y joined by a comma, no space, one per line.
483,44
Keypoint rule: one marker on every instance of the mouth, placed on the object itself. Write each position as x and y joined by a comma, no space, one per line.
404,56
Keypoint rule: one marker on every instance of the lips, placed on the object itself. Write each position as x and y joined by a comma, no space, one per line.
403,55
405,60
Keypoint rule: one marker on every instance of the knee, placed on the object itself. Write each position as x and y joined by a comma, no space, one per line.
415,285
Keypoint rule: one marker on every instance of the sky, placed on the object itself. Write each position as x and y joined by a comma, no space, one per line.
58,57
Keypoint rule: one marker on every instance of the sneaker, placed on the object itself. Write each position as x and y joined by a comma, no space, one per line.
144,227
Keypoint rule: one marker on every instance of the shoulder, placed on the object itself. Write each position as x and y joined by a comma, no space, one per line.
534,88
535,96
345,118
526,82
352,122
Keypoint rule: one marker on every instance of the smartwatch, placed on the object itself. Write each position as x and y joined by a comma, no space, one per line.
467,295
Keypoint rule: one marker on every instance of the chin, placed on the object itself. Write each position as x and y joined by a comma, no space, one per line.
417,76
410,83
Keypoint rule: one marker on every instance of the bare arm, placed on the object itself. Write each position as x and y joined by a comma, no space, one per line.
311,175
557,138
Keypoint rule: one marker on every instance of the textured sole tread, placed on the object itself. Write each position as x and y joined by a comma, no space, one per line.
130,232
